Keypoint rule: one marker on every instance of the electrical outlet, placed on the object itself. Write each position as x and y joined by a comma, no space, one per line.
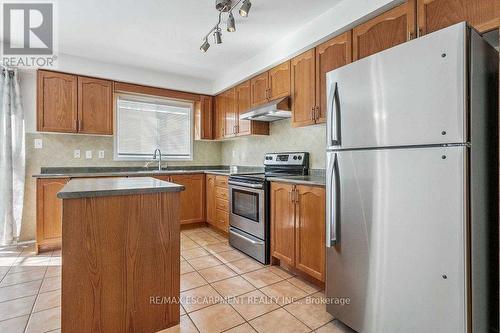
88,154
101,153
38,144
76,153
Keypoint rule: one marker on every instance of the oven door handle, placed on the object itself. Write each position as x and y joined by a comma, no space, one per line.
245,238
232,182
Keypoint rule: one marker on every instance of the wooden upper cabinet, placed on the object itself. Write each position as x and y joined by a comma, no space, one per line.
433,15
259,86
283,223
49,213
95,106
192,198
57,105
303,69
219,117
210,199
389,29
243,105
310,231
330,55
279,81
204,118
230,113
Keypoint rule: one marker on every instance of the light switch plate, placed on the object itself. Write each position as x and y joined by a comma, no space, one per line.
76,153
38,144
101,153
88,154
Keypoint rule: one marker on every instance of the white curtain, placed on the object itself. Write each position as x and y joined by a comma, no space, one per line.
12,158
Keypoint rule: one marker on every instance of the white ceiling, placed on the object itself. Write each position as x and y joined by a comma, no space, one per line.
165,35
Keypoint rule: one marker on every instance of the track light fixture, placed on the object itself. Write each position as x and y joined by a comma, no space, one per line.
205,46
245,8
231,25
218,36
225,6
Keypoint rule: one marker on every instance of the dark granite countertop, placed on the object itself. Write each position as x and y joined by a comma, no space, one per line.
86,172
313,180
100,187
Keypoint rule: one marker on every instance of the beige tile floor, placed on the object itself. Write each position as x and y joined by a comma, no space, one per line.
222,290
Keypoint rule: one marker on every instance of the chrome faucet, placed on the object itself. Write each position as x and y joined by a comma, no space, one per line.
159,157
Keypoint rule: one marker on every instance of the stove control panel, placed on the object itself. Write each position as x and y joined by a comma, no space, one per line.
300,159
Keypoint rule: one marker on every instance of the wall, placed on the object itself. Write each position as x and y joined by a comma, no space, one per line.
283,138
58,148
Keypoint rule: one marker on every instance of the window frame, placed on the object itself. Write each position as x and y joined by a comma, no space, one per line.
158,100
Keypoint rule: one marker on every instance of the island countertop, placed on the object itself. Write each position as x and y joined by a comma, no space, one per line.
99,187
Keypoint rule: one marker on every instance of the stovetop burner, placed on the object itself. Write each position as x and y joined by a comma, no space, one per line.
278,165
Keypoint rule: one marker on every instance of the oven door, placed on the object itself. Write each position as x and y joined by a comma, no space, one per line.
247,208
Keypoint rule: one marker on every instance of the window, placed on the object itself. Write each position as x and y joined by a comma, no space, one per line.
144,124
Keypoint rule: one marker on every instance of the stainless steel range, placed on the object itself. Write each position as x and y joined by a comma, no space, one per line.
249,203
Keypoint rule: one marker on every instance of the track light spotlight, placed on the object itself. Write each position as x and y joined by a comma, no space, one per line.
205,46
218,36
245,8
231,25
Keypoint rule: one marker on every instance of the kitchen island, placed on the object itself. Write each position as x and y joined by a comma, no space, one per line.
120,254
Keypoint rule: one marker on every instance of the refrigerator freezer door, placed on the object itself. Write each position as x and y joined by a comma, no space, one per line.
399,256
412,94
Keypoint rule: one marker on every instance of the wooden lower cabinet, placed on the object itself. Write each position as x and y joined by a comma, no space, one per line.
217,204
283,223
192,198
310,235
298,227
210,199
49,213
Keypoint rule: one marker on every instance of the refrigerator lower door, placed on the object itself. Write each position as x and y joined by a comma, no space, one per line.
412,94
397,239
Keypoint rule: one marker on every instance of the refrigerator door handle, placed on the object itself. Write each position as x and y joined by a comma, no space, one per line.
333,127
332,203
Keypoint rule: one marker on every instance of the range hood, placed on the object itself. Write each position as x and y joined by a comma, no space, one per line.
272,111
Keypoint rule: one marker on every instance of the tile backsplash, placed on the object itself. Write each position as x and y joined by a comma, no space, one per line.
283,138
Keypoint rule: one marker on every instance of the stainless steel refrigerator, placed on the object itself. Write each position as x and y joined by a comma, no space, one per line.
412,182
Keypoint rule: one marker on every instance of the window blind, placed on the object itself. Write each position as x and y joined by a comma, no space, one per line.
145,124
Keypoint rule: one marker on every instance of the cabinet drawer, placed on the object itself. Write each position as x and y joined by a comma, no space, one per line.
222,219
221,181
222,204
222,193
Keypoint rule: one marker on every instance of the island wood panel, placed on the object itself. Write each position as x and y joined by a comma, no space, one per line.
389,29
259,86
243,105
330,55
279,81
433,15
49,213
283,223
192,198
310,231
95,106
57,104
303,89
210,200
118,253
